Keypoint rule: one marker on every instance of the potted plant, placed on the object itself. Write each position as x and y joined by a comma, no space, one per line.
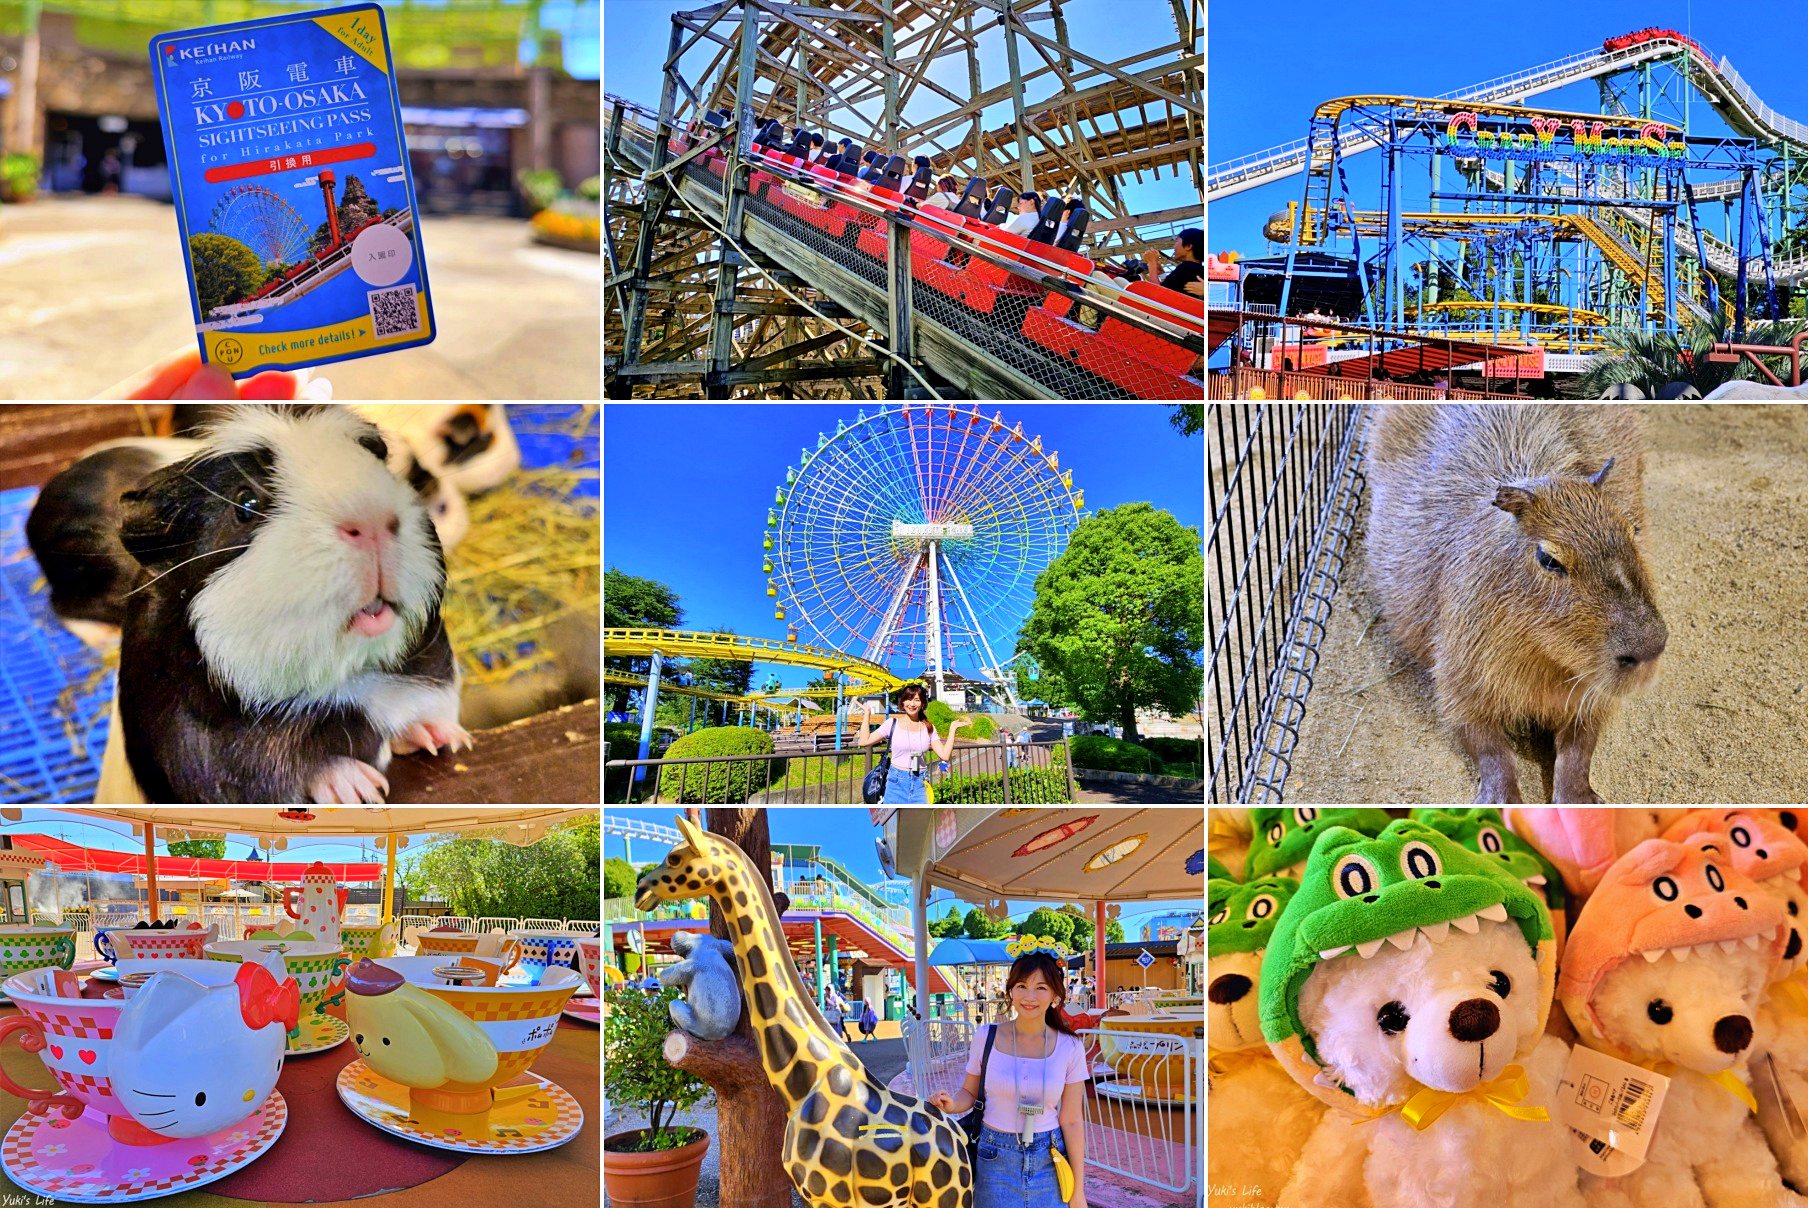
656,1166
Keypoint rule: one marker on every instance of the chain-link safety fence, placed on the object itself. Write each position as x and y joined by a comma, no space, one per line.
1284,481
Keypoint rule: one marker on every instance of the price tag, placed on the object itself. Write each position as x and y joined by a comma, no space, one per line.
1611,1108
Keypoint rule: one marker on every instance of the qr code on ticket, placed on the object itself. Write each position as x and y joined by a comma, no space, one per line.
393,312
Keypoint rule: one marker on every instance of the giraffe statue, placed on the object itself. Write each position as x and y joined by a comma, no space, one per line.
849,1142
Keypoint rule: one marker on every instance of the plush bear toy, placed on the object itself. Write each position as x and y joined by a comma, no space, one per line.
1281,839
1407,985
1664,968
1259,1116
1581,843
1768,852
712,988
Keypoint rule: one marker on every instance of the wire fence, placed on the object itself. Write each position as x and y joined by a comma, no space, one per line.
1024,773
1285,480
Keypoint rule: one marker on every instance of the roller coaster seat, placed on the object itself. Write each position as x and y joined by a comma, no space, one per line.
999,212
973,198
1049,221
1076,227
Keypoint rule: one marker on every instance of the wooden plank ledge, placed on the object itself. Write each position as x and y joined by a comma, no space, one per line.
552,758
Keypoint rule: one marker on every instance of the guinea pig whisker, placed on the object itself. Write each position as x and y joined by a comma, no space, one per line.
222,498
178,566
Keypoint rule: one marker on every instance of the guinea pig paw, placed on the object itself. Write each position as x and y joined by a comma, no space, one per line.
430,736
348,781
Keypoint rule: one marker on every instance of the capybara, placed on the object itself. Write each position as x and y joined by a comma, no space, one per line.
1503,546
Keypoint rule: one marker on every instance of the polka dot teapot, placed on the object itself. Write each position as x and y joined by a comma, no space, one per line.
322,903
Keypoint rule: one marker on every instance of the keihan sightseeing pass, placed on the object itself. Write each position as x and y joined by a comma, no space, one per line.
293,192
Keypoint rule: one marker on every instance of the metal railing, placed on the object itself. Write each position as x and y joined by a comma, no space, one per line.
1156,1140
1285,481
234,922
1024,773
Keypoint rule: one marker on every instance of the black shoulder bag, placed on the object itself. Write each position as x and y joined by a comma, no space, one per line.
975,1118
872,789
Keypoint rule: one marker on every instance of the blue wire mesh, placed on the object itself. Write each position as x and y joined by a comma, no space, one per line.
52,733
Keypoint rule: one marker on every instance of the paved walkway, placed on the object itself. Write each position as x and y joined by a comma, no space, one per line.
94,291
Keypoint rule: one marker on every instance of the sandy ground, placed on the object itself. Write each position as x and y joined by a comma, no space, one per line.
92,290
1726,489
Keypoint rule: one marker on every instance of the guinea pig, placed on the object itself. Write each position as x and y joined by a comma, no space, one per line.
445,503
287,640
469,444
73,531
1503,547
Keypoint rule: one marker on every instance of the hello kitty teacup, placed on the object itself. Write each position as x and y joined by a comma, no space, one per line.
196,1050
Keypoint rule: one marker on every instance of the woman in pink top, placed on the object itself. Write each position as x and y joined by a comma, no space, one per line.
911,737
1035,1090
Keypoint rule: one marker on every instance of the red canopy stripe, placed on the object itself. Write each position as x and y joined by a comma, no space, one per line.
69,858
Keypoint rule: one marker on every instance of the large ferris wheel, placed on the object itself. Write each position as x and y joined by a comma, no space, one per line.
914,537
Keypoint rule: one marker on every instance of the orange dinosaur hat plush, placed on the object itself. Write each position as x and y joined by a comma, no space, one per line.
1770,853
1664,899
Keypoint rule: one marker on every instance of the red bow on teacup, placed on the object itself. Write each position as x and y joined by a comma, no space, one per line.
262,999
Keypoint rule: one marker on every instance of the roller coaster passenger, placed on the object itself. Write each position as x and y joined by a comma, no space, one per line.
1027,216
946,195
1189,262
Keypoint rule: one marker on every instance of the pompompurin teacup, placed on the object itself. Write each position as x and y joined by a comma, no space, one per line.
196,1050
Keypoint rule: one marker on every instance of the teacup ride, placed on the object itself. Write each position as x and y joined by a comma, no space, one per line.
493,945
590,963
445,1060
182,943
25,947
360,942
544,950
157,1094
1148,1054
318,969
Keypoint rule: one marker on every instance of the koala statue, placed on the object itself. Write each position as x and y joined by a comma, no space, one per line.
711,984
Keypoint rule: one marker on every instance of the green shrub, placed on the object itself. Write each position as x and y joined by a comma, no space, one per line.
592,188
623,738
1176,750
722,783
1029,786
19,175
540,187
979,727
1112,755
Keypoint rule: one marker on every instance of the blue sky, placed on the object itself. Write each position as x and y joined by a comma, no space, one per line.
1267,72
686,489
846,836
639,33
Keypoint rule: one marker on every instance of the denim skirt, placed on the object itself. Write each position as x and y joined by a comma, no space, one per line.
1014,1175
904,788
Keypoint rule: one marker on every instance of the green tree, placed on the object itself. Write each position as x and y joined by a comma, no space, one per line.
948,926
618,878
199,849
1118,621
730,677
1188,419
631,602
978,927
1047,923
1082,927
226,270
561,876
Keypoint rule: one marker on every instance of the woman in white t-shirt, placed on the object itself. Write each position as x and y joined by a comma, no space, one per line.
1035,1090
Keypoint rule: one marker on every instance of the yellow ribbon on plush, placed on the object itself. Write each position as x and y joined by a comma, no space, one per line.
1792,992
1503,1094
1729,1082
1223,1063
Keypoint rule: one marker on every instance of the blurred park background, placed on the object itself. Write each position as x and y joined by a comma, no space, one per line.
500,109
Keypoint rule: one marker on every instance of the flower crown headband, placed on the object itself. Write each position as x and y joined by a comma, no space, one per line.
1023,945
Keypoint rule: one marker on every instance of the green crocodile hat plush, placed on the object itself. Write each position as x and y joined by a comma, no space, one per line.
1357,892
1283,837
1242,918
1483,829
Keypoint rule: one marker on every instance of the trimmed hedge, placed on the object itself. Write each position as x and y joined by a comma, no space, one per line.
1176,750
1029,786
1112,755
717,784
979,728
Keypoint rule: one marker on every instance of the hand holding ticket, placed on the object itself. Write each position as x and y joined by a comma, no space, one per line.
293,191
